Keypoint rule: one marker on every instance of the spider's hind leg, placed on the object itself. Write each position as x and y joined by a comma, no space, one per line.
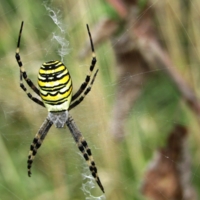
37,142
85,150
87,154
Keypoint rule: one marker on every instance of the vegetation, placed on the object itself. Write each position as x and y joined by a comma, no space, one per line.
58,167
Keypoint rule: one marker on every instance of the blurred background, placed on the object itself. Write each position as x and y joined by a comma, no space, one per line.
141,118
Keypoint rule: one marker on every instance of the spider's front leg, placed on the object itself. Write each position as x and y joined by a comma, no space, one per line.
37,142
87,90
23,74
85,150
92,65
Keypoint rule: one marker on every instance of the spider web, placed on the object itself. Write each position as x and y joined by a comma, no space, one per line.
58,165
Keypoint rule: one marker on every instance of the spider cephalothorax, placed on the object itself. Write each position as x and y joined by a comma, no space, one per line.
58,118
55,91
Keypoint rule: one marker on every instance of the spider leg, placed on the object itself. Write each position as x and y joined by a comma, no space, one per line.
23,73
36,100
88,89
37,142
87,154
85,150
92,65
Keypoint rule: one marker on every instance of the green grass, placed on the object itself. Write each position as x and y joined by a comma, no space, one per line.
57,168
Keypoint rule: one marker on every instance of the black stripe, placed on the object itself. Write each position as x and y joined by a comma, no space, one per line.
58,92
54,74
48,77
51,62
54,88
56,102
51,66
57,87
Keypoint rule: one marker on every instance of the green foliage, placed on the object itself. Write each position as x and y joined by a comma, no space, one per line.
58,169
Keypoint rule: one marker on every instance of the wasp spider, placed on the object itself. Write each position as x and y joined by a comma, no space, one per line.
55,90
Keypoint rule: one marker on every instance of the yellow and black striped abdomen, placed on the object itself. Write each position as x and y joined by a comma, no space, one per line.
55,86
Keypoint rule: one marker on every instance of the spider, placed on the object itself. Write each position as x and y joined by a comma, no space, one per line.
55,90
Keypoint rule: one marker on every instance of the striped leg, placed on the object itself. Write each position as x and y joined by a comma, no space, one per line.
92,65
87,154
85,150
24,75
88,89
36,100
37,142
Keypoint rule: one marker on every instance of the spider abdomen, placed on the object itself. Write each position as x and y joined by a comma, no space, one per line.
55,86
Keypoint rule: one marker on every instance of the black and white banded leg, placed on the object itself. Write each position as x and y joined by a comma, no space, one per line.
23,74
87,90
92,65
37,142
85,150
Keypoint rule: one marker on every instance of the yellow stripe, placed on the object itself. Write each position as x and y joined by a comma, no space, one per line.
51,89
51,71
54,83
57,97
